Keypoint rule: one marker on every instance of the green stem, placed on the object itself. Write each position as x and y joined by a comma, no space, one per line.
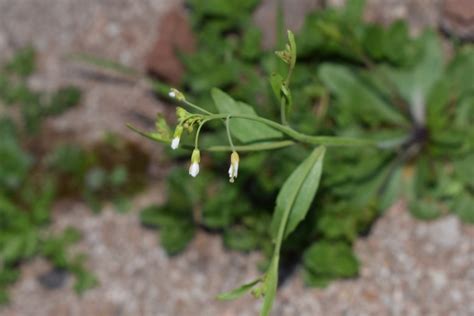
253,147
228,133
297,136
283,111
196,140
194,106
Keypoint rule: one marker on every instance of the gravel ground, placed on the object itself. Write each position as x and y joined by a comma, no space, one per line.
408,267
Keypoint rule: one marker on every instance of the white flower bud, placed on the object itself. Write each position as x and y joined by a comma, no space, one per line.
234,166
175,143
176,137
176,94
195,159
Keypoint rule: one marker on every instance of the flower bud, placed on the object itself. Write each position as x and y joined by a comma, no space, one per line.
195,159
176,137
181,113
176,94
234,166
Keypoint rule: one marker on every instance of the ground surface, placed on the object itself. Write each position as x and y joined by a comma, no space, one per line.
408,267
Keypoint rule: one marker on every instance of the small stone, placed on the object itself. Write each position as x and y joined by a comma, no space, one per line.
446,232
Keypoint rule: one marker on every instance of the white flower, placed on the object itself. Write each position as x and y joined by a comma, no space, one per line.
195,159
176,137
172,94
234,166
175,143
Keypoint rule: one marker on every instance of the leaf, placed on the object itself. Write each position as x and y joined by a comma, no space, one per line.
270,286
238,292
361,101
464,208
298,192
415,83
155,136
327,260
276,81
244,130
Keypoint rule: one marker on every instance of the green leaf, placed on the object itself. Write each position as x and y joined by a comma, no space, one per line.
238,292
357,98
244,130
23,62
328,260
270,287
425,209
276,81
415,83
298,192
464,207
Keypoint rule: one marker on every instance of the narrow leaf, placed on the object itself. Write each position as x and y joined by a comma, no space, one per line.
238,292
359,100
244,130
298,192
271,283
276,81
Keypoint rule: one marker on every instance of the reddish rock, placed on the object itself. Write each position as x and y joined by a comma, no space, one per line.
174,35
458,18
295,12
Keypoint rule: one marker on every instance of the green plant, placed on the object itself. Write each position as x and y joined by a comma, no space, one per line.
255,133
355,80
35,174
26,201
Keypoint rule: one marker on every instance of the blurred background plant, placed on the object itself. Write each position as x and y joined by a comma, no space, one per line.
352,79
37,171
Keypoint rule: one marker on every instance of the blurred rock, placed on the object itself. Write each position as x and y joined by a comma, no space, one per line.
53,279
458,18
265,17
175,35
445,232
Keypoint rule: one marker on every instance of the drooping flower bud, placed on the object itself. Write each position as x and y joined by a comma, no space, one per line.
176,137
195,159
234,166
176,94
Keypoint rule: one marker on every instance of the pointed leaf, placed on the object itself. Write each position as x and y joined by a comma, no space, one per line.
271,284
298,192
276,81
238,292
357,98
244,130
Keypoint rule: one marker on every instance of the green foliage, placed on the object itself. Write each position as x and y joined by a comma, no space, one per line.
354,79
297,193
33,105
357,84
34,174
324,261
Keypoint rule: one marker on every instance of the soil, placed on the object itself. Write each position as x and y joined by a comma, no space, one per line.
409,267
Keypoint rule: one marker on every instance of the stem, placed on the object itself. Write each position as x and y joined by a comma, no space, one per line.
253,147
194,106
196,140
283,111
303,138
228,133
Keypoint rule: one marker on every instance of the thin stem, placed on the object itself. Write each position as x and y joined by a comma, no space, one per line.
303,138
194,106
227,121
283,111
253,147
196,140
